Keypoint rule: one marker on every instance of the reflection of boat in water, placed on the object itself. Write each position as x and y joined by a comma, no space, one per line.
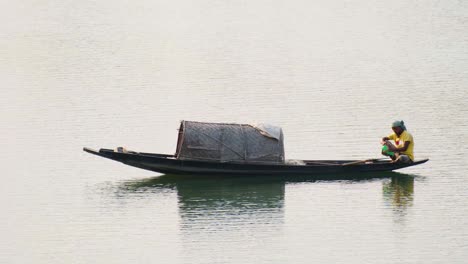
220,149
208,203
241,194
399,190
206,193
203,182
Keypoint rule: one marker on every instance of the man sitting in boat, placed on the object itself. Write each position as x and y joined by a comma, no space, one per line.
402,151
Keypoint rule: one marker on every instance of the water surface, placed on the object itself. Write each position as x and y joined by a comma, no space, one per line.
333,74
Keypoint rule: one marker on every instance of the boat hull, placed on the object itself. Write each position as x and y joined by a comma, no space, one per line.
167,164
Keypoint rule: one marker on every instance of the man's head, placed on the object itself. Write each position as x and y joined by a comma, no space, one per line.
398,127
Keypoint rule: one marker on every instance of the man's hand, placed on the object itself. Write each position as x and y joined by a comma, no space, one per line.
391,147
384,140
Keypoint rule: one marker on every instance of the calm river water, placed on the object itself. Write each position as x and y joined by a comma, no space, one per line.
334,74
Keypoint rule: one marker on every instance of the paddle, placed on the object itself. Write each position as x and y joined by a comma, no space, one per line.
360,161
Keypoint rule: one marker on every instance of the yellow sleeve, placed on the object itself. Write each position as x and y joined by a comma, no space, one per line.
392,136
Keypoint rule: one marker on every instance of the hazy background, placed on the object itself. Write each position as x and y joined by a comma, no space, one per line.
333,74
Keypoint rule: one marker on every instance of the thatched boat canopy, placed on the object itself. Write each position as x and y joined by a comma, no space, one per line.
230,142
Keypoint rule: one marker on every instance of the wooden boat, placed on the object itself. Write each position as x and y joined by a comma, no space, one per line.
238,149
169,164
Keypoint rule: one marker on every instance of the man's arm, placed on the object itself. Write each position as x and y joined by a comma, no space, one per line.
390,137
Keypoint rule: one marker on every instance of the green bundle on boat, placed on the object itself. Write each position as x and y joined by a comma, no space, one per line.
387,152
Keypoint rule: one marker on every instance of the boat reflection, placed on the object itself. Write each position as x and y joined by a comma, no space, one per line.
214,198
248,208
398,194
